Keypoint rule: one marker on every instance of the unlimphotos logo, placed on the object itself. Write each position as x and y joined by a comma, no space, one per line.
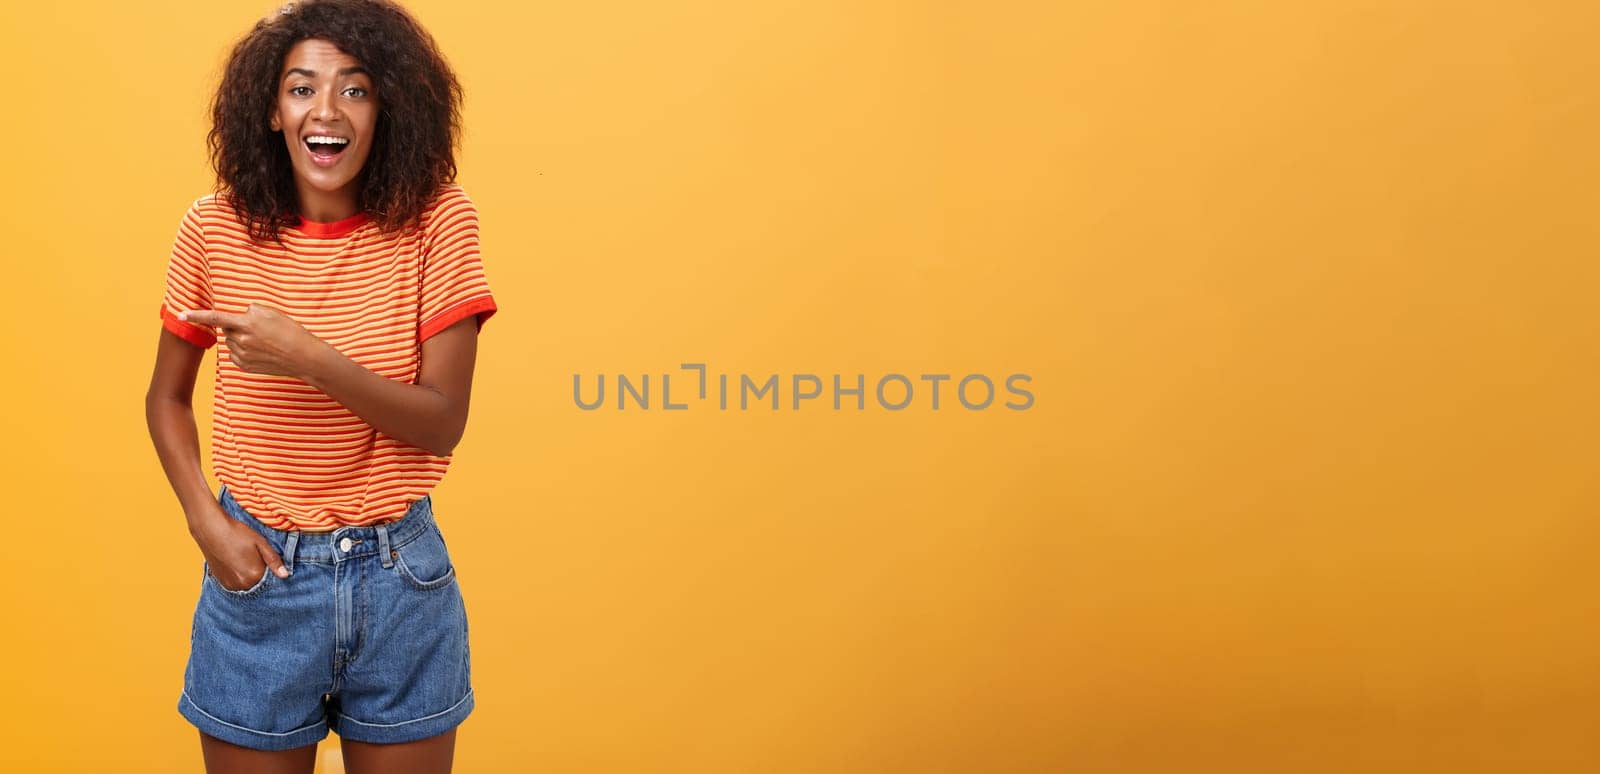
894,392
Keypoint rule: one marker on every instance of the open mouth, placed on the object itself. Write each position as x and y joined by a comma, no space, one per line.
326,149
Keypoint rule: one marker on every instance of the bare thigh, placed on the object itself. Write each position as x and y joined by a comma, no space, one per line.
230,758
433,755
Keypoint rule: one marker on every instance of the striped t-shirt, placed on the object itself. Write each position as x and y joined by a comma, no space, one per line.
292,456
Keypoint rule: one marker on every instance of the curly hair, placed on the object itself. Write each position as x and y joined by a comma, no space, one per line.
414,141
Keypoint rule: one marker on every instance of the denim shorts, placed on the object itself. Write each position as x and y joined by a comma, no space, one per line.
367,637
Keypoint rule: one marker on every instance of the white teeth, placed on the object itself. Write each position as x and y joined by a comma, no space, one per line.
318,139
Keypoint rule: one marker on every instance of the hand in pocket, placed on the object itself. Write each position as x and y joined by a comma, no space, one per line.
236,555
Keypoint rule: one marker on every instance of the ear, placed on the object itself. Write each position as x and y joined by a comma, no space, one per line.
273,121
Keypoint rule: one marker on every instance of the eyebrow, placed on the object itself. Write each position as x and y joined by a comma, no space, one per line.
312,74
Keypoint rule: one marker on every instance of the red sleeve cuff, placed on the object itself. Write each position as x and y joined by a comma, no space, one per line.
194,334
482,306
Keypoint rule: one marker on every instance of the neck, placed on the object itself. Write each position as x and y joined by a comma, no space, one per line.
325,207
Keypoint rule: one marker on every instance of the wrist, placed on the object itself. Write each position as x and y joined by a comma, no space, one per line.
203,520
317,363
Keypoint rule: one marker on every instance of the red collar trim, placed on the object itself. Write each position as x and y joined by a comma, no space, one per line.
336,228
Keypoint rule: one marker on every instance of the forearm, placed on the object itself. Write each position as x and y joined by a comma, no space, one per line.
413,413
177,441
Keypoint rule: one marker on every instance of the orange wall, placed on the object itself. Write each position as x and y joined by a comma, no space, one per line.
1306,292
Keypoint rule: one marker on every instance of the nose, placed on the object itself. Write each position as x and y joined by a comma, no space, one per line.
323,107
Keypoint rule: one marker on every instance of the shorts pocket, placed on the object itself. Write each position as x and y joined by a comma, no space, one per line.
424,562
261,585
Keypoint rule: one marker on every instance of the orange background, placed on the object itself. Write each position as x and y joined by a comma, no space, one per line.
1306,291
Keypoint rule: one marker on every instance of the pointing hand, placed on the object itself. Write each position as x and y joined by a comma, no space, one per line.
261,340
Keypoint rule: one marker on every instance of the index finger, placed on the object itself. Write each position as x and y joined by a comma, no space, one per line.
212,317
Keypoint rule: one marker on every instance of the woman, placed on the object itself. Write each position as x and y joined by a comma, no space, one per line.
336,268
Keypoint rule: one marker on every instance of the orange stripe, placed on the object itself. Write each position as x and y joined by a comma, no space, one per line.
293,457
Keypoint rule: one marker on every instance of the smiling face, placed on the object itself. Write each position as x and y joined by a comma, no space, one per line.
325,96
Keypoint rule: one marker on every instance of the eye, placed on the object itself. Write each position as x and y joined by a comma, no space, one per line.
358,88
297,88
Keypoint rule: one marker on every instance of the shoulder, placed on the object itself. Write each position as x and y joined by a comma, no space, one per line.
212,209
450,192
216,217
210,204
450,210
193,222
450,199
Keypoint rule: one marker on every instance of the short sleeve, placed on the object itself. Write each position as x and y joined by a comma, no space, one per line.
454,286
188,284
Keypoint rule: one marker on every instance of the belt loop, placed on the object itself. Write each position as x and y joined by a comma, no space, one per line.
288,550
383,546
